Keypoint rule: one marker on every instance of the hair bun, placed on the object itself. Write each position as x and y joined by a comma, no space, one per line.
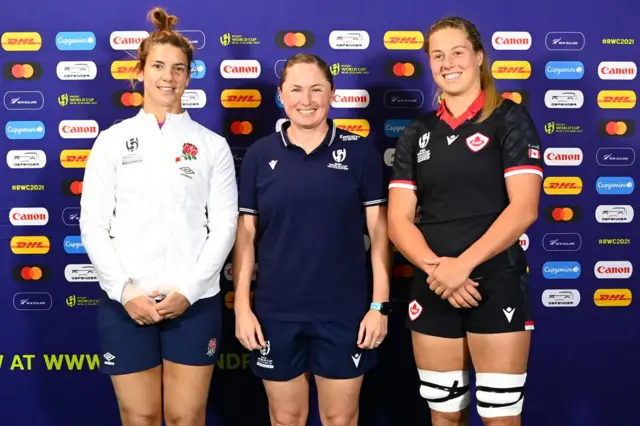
162,20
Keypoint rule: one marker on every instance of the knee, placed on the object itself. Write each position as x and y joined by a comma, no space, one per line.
342,419
446,392
137,418
289,417
500,397
184,417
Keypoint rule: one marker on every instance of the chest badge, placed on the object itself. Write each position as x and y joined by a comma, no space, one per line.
339,155
477,141
189,152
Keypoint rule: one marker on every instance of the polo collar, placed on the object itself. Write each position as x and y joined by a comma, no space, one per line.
471,112
184,116
328,139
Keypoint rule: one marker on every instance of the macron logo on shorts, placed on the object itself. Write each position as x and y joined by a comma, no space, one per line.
356,359
508,312
414,310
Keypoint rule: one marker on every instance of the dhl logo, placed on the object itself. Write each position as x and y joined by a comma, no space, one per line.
124,70
24,42
612,297
563,186
359,127
616,99
403,40
511,70
74,158
30,245
246,98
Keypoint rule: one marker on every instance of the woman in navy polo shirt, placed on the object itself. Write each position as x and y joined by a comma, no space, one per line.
307,194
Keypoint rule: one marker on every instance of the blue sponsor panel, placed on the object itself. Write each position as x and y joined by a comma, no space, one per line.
394,128
73,245
615,185
564,70
279,101
561,270
76,40
198,69
25,130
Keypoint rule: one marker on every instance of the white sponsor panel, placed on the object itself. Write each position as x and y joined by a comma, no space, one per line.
78,129
127,40
613,269
511,40
524,242
349,40
350,98
249,68
561,298
614,213
564,99
76,70
28,216
617,70
563,156
80,273
26,159
194,99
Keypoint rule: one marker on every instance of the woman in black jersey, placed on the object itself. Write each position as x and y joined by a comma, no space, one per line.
473,169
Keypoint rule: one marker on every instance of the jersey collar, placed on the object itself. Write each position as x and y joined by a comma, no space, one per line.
471,112
169,116
328,139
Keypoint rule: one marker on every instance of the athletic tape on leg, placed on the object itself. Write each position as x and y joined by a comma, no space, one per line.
500,395
447,392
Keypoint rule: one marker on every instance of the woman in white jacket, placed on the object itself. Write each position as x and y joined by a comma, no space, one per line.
158,220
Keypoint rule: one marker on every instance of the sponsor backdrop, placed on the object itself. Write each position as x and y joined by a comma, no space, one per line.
64,79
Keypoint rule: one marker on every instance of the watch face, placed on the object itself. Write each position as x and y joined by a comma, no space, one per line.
386,308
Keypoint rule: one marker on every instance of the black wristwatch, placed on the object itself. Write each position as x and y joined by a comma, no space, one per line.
384,307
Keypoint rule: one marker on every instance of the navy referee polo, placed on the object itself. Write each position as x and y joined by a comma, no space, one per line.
312,263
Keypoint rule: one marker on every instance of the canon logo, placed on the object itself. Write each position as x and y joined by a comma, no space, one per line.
78,129
350,99
617,70
615,269
511,40
127,40
28,216
240,69
563,156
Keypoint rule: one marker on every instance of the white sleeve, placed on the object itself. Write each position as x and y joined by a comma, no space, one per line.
222,217
97,205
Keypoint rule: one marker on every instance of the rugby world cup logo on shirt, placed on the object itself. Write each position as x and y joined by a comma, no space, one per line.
127,40
78,129
562,242
424,154
339,155
613,269
616,156
615,185
569,270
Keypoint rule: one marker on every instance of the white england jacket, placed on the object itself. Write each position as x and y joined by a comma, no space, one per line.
159,207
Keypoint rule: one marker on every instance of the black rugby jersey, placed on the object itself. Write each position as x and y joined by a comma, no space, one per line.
458,168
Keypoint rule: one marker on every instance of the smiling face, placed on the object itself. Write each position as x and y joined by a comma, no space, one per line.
454,64
306,95
165,77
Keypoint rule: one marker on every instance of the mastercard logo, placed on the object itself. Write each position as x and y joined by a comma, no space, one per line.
562,185
124,99
21,42
616,128
616,99
295,39
511,70
403,40
30,245
245,98
357,126
404,69
124,70
521,97
241,127
22,71
74,158
72,187
563,213
616,297
29,273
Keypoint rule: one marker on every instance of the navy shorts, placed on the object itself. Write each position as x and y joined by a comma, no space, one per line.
325,349
193,338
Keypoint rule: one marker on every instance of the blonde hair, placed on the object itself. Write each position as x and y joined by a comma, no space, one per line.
493,99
